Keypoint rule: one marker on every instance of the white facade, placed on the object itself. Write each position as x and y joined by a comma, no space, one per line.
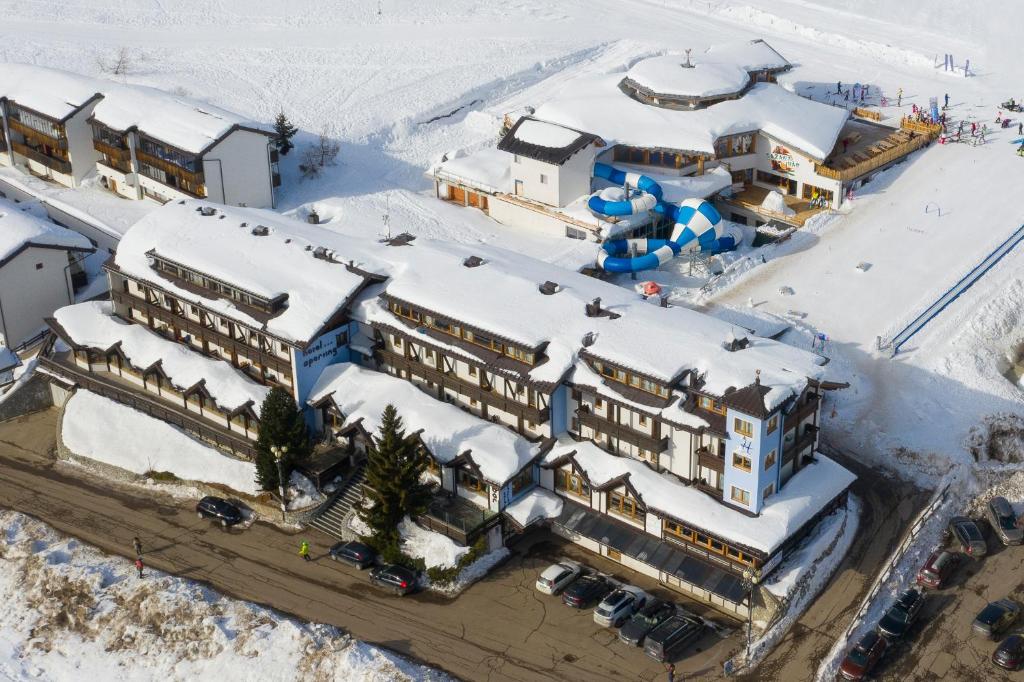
239,171
551,184
33,284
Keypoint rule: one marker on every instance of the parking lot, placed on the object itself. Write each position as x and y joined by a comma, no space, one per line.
941,646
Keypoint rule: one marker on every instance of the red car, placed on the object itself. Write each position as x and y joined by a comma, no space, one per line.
936,571
863,657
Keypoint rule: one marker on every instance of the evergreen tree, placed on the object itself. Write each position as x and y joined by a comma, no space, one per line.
394,467
284,131
281,425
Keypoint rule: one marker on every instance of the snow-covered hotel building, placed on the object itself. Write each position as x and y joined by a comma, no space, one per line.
141,142
675,443
716,126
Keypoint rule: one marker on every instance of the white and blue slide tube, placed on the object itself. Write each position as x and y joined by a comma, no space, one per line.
698,225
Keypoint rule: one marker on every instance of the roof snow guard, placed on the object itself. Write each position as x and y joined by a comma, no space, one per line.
544,141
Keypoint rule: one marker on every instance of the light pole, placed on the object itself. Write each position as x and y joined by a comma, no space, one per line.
279,453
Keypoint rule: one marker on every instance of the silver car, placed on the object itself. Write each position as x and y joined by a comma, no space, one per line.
1004,521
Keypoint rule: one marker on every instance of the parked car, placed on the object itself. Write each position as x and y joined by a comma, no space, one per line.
586,591
649,617
672,636
211,507
1010,653
901,615
398,579
1004,521
996,617
556,577
864,656
937,570
969,536
354,554
621,604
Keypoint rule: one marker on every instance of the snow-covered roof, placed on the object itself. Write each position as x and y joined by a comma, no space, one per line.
52,92
488,169
18,229
596,104
750,55
668,76
544,141
92,324
224,246
544,134
8,359
534,506
447,431
178,121
784,512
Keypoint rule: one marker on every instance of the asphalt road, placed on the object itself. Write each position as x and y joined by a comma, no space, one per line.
499,629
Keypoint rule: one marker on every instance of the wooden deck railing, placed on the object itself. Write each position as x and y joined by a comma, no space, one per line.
58,165
33,134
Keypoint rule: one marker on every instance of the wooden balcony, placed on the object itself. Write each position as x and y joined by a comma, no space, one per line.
797,446
911,137
33,134
58,165
119,153
621,431
807,408
151,405
191,327
453,383
170,168
709,460
752,196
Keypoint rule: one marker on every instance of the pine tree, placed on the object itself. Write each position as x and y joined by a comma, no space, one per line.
281,425
394,467
284,131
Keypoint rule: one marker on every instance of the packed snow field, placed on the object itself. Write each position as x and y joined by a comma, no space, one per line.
75,613
402,83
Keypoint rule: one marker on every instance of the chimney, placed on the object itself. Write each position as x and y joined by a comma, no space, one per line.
549,288
313,218
473,262
757,377
588,339
207,211
260,231
593,309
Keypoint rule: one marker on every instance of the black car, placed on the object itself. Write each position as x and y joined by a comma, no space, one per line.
672,636
651,616
901,615
586,591
1010,654
211,507
354,554
398,579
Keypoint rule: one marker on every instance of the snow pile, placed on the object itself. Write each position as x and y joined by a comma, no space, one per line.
18,228
108,432
803,496
74,613
435,549
92,324
534,506
776,203
475,571
301,492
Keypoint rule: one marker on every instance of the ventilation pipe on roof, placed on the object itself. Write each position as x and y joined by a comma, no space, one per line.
588,339
593,309
207,211
313,218
260,231
473,262
549,288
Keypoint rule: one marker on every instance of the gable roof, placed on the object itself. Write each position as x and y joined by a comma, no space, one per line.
54,93
20,230
544,141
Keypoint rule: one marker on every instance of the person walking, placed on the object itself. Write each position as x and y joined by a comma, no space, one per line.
304,551
671,667
899,97
839,87
947,101
139,566
137,546
1020,128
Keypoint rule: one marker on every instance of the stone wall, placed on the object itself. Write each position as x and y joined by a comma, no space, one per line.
32,396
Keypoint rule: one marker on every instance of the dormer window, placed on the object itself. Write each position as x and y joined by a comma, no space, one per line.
622,376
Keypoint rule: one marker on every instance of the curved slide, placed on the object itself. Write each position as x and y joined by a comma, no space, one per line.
698,225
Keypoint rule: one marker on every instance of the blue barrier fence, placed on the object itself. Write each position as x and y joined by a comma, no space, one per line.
954,291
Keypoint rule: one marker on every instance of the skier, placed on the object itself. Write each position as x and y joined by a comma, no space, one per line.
862,91
947,101
137,545
839,87
974,128
899,97
1020,128
304,551
1020,151
139,566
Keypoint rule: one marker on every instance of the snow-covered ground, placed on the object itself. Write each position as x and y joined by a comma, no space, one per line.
74,613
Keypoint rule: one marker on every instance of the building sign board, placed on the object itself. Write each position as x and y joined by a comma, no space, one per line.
782,160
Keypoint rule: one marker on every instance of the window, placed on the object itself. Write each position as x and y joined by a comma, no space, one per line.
340,340
614,554
769,490
677,529
740,495
742,427
543,179
515,158
598,403
472,402
567,480
773,423
471,482
522,480
194,310
472,371
39,266
575,233
643,419
623,505
740,461
531,425
717,546
769,461
396,340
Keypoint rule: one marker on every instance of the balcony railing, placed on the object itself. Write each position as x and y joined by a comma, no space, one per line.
710,460
59,165
196,178
790,451
31,133
193,328
119,153
621,431
453,383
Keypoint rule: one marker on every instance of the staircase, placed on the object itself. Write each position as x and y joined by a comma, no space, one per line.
332,515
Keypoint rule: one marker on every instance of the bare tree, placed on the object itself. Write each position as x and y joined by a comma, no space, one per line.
120,64
310,163
323,153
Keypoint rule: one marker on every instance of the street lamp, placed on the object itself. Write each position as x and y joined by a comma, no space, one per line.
279,453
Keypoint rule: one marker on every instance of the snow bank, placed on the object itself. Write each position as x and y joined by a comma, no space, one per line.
92,324
776,203
107,624
435,549
101,429
18,228
534,506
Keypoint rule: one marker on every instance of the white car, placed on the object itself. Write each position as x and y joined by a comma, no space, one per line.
557,576
619,606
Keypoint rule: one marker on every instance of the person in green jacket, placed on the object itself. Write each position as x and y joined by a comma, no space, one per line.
304,551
